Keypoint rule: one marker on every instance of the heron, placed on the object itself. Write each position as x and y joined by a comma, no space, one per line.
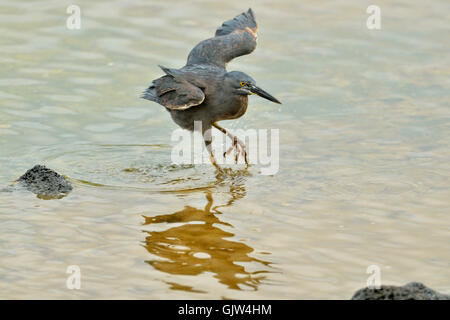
203,90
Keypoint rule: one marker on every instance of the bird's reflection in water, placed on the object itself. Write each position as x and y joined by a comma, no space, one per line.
201,245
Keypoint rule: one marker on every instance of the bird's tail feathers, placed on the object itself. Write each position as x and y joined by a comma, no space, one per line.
149,94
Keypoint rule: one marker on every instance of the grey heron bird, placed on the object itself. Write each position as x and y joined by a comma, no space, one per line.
204,91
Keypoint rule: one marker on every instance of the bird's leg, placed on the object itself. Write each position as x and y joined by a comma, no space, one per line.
236,144
233,146
208,140
240,149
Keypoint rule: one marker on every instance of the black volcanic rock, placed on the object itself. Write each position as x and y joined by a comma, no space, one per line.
45,182
411,291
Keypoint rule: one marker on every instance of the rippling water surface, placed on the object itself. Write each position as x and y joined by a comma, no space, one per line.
364,153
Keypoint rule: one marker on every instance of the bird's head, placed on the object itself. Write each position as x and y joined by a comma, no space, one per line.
244,84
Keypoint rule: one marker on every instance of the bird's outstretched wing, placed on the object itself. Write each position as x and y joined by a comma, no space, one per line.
236,37
174,92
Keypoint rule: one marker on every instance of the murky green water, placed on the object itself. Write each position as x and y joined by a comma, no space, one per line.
364,153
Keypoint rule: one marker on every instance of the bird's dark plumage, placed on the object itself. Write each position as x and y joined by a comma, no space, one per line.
174,92
203,90
177,90
236,37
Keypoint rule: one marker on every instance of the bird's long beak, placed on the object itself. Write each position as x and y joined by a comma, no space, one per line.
260,92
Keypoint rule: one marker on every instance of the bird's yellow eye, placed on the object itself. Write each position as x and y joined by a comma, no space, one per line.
242,84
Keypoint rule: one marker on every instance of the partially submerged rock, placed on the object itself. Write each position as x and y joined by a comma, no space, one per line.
411,291
45,182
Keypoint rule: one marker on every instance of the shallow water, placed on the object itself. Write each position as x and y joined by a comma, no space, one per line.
364,153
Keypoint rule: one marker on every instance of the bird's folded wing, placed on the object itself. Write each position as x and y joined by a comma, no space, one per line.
236,37
174,93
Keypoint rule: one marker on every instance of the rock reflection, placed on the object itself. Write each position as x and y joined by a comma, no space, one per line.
200,245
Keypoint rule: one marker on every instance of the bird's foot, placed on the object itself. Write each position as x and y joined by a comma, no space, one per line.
216,165
240,150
